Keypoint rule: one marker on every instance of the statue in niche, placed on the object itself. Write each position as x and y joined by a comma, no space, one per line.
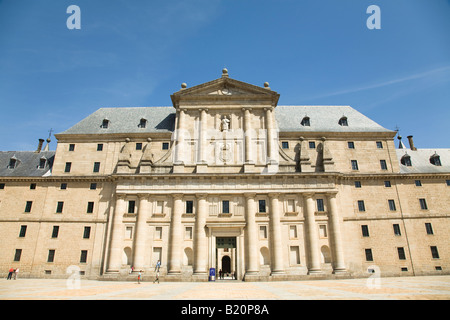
225,123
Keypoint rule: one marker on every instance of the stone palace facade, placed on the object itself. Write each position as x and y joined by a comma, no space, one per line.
226,179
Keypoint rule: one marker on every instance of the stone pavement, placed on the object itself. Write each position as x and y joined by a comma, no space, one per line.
402,288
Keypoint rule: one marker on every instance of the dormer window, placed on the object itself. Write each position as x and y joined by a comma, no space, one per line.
12,163
142,123
42,162
406,160
305,122
343,122
435,160
105,124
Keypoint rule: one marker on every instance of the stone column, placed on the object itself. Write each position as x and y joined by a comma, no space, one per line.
179,143
115,247
200,238
251,235
202,137
335,235
312,236
271,146
140,233
248,131
275,235
176,235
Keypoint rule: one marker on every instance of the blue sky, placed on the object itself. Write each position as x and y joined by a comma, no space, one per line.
137,53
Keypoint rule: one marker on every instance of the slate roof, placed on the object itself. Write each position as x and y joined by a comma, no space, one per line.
126,120
324,119
27,163
162,119
420,160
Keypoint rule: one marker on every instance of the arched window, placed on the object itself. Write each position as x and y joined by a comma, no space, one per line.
343,122
12,162
435,159
42,162
306,122
406,160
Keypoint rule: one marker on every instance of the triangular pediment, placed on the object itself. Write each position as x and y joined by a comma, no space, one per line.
226,89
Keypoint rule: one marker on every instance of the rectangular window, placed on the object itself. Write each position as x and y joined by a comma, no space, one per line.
418,183
33,186
285,145
87,233
397,231
100,147
357,184
96,167
290,205
262,206
189,206
392,205
17,255
387,184
320,206
351,145
379,145
129,233
165,146
401,253
361,206
59,207
447,182
293,232
2,186
434,252
263,232
83,256
383,165
68,167
188,233
23,231
51,256
93,186
159,207
294,255
63,186
225,206
423,204
71,147
312,145
369,256
42,163
28,206
429,228
158,233
323,231
55,232
131,206
365,230
354,164
138,145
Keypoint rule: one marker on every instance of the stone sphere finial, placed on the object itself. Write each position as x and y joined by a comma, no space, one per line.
183,85
266,84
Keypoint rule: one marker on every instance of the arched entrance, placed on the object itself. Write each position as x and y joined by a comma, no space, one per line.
226,264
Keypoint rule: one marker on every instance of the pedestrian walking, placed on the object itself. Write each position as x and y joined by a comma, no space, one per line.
11,271
156,277
139,276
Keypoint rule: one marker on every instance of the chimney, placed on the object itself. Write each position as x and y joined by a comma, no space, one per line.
411,143
41,142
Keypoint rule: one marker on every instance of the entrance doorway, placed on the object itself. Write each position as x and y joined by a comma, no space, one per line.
226,258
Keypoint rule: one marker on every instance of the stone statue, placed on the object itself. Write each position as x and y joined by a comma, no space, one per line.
225,124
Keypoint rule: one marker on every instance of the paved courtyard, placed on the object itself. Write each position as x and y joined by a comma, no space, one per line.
402,288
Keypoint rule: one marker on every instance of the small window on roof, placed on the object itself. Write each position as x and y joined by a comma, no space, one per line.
142,123
435,160
343,121
12,163
42,162
406,160
105,124
305,122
